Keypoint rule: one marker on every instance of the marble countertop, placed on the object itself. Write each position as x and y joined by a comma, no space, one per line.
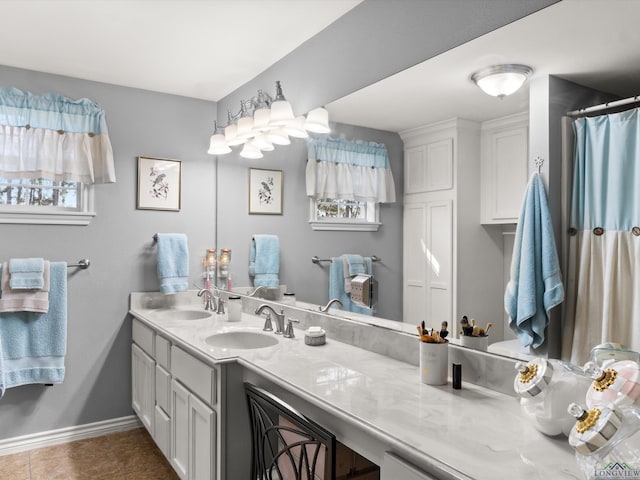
472,433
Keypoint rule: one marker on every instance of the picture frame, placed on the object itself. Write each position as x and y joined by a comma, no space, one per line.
265,191
159,184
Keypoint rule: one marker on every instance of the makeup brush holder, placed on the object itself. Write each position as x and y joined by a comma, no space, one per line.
434,362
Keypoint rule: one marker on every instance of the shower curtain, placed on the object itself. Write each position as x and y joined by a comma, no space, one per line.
603,277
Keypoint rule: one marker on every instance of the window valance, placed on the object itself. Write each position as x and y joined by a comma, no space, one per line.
349,170
53,137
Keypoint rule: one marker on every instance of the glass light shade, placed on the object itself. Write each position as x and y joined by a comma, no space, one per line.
217,145
261,120
262,142
245,128
281,113
501,80
278,137
295,128
231,135
250,151
317,121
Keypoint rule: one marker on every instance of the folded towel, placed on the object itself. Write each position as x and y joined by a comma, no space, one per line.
26,273
264,260
33,346
336,285
173,262
535,286
352,265
24,300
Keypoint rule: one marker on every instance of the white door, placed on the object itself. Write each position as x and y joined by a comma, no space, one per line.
202,440
179,429
143,388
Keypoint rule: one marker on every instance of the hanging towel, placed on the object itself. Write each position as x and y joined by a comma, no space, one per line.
336,285
26,273
24,300
33,346
535,286
173,262
264,260
352,265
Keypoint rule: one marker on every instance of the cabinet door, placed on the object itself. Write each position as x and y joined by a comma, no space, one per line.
143,386
202,440
394,468
439,262
505,155
429,167
414,262
179,429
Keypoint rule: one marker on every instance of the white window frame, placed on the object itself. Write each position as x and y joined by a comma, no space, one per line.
345,224
33,215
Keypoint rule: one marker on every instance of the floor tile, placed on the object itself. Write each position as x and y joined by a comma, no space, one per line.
15,467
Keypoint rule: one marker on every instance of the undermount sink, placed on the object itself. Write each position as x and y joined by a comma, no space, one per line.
241,340
180,314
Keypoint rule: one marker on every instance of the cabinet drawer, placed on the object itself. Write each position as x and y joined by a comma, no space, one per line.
163,352
163,388
194,374
162,432
143,337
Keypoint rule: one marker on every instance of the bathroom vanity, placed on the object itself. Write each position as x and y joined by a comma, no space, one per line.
188,392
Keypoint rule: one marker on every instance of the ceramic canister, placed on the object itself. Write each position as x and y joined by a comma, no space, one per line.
434,361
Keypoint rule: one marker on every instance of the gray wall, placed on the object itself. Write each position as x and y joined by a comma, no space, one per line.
119,244
298,242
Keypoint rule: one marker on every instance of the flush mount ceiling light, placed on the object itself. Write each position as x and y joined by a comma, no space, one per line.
501,80
262,122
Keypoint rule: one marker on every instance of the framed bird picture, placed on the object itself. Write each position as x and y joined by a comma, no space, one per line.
159,184
265,191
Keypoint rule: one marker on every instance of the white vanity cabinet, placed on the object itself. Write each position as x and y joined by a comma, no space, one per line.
451,264
143,375
175,395
194,437
505,152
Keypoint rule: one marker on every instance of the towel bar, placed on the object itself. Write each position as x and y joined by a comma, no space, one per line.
316,259
83,264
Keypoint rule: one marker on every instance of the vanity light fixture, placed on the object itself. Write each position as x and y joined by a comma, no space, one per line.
501,80
262,122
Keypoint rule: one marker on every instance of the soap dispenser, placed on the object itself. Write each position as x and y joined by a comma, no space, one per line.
606,441
546,387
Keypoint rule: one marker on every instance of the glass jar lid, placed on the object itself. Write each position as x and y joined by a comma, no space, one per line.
533,377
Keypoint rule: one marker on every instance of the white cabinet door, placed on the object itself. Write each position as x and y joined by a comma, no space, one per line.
505,154
429,167
179,429
414,266
202,440
394,468
143,386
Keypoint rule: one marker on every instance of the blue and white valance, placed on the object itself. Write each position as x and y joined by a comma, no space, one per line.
349,170
53,137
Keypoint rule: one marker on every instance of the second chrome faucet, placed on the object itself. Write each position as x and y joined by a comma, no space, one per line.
278,316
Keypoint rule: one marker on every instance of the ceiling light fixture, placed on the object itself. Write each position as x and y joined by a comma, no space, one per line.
262,122
501,80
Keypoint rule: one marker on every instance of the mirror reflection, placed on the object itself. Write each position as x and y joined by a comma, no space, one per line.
461,160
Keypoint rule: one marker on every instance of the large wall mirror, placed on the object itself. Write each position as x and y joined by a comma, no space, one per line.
557,42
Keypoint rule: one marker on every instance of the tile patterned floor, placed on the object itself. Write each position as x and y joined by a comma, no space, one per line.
130,455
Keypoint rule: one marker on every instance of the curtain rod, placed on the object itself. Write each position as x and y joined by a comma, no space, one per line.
604,106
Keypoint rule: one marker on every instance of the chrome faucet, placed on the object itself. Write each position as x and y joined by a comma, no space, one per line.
209,300
278,316
256,290
328,305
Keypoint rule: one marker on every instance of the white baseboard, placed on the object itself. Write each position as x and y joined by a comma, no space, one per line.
68,434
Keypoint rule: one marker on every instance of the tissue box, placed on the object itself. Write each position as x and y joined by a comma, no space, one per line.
362,290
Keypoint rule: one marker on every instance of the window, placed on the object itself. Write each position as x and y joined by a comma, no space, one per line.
43,201
335,214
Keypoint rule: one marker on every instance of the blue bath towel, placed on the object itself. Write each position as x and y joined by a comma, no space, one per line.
264,260
26,273
336,285
535,286
173,262
33,346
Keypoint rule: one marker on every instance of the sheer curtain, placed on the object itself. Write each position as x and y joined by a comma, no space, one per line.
53,137
603,278
349,170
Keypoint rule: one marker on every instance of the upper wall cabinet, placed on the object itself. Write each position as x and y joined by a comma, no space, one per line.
429,167
505,151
